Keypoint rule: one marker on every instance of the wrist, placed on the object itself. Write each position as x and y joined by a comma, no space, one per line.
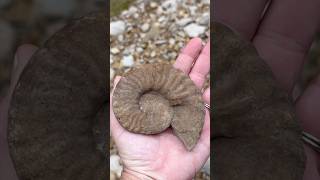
133,175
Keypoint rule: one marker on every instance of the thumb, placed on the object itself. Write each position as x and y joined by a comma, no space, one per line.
22,57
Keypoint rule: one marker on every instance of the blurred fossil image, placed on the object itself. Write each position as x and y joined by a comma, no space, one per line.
33,22
255,131
57,119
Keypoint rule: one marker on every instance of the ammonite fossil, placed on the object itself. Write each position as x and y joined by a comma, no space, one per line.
150,98
57,119
255,132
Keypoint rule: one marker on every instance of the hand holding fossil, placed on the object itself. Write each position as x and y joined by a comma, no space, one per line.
162,155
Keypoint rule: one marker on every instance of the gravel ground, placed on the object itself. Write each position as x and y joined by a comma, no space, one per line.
154,31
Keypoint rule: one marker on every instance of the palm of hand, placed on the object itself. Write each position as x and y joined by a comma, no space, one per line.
164,155
156,155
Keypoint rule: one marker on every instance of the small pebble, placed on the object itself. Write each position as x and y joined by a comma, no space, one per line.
153,4
172,41
139,50
204,19
114,50
128,61
117,28
111,73
145,27
194,30
153,54
111,59
115,165
170,5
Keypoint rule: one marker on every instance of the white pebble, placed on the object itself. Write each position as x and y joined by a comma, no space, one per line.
194,30
153,4
120,38
111,59
114,50
145,27
128,61
172,41
111,73
139,50
153,54
204,19
206,1
115,165
170,5
117,28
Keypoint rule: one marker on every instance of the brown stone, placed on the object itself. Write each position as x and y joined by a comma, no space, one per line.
150,98
255,132
57,119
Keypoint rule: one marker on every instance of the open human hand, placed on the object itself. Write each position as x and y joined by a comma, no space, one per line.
163,156
282,32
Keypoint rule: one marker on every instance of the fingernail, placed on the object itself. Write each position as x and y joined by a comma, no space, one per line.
116,80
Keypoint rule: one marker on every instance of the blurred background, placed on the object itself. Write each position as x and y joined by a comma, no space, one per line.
32,22
149,31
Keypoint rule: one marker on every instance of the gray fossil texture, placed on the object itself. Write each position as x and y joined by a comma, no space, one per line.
255,132
57,119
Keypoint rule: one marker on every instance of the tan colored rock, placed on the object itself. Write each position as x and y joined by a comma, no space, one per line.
150,98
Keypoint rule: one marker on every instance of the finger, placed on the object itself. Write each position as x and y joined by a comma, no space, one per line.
188,55
311,171
285,36
115,127
201,67
307,108
243,16
201,151
206,96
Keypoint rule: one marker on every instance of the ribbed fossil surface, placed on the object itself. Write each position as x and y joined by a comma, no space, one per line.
150,98
57,120
255,132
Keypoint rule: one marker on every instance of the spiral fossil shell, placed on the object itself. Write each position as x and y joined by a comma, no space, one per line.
150,98
57,119
255,133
